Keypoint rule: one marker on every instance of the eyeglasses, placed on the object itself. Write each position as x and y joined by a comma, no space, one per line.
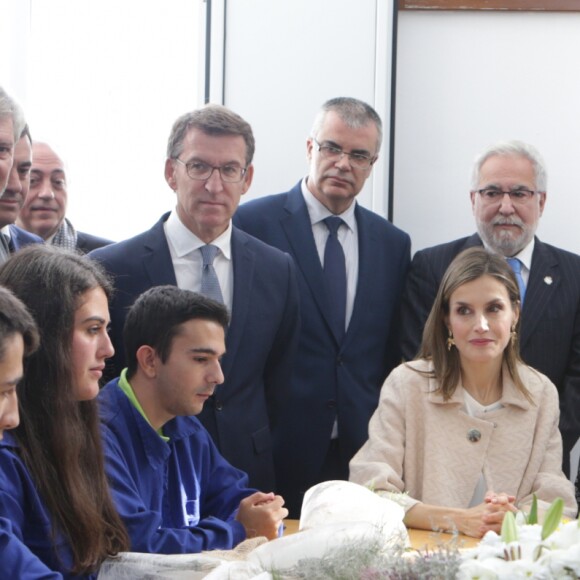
358,160
518,196
201,171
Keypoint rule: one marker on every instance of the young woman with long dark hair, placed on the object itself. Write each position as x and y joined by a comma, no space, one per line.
53,486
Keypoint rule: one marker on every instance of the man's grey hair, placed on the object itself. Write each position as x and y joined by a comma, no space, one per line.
512,148
10,108
211,120
353,112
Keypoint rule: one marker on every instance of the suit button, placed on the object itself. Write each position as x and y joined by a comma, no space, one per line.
474,435
331,404
339,360
219,405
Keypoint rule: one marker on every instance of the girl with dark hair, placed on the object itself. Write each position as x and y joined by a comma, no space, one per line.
467,431
53,486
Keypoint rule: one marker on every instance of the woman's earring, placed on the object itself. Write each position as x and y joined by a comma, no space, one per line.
513,334
450,341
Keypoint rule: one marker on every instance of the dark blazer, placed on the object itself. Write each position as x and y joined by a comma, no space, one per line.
260,343
550,319
19,238
331,380
87,243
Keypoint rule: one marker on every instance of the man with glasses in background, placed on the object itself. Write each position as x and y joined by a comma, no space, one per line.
352,264
195,247
508,195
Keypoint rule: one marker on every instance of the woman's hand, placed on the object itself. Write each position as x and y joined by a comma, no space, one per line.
478,520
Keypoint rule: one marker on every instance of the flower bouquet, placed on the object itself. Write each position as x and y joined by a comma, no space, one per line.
526,549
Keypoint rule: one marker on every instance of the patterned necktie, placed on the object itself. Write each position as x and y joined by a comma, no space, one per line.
210,285
4,248
335,275
516,266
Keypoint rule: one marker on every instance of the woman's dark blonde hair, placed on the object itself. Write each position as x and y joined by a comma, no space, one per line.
59,437
466,267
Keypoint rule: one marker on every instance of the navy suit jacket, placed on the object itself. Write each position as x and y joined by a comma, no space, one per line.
19,238
87,242
331,379
261,339
550,319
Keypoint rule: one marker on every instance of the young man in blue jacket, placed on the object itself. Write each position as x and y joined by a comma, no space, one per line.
173,489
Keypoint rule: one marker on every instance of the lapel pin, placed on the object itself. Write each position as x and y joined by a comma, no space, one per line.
548,280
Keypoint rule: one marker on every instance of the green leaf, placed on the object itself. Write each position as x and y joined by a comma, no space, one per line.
509,530
553,517
533,515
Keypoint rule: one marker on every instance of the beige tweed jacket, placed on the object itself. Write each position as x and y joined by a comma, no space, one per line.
419,444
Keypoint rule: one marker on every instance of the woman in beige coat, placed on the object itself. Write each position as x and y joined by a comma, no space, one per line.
467,431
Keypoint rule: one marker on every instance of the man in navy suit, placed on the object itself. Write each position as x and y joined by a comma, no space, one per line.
209,166
44,209
348,343
508,196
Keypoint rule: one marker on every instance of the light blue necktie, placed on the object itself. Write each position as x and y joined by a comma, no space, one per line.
516,266
210,285
335,275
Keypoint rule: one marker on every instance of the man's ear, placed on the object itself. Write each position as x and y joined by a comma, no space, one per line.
170,174
248,177
147,361
473,197
542,200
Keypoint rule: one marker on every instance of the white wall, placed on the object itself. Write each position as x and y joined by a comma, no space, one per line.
467,80
284,59
102,82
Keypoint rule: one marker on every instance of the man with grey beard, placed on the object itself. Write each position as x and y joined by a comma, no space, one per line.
508,196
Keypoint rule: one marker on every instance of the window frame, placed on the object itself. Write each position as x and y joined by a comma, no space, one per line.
504,5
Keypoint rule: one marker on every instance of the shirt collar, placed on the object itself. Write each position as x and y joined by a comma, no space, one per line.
525,256
184,241
6,231
317,211
126,387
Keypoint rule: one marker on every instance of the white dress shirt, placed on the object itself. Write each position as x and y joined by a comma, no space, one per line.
525,257
187,260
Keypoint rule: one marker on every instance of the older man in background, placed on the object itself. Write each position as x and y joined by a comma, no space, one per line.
14,180
508,196
44,210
